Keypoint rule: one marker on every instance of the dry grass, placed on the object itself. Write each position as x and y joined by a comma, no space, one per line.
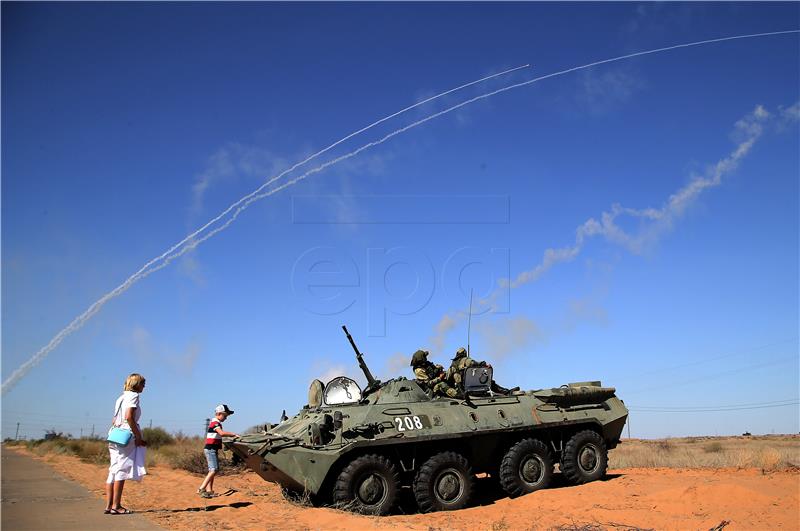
713,448
300,499
769,453
89,450
500,525
185,453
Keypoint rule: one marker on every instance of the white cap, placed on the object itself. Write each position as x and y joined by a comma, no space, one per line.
223,408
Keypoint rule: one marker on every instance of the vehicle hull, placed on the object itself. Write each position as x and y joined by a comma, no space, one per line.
399,421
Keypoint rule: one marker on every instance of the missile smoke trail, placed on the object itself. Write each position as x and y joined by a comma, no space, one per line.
240,205
79,321
255,196
658,220
317,154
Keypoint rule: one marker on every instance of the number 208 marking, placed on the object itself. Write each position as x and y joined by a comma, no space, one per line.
408,423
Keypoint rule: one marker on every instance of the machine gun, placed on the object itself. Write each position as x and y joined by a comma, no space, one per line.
372,383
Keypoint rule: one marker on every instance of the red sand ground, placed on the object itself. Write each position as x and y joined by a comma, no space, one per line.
630,498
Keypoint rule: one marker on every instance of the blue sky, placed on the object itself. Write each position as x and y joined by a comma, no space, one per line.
127,126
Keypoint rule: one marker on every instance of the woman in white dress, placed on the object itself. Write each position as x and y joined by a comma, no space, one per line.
127,462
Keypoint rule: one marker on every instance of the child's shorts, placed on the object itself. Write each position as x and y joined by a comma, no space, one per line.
211,457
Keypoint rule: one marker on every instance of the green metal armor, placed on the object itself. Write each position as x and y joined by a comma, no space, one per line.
360,449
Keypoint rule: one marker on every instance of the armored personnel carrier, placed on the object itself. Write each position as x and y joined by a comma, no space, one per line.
357,448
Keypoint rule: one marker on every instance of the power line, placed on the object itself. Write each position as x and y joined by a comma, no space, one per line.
729,354
73,418
720,406
10,424
715,375
32,423
46,416
711,410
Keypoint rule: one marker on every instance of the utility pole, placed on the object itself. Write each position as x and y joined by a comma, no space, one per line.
151,423
92,431
205,426
629,425
16,437
81,432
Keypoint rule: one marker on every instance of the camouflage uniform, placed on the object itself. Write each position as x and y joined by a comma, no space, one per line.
431,377
461,362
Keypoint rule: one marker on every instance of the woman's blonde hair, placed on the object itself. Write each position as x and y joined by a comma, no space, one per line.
134,382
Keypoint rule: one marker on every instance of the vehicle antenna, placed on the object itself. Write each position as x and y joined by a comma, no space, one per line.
469,320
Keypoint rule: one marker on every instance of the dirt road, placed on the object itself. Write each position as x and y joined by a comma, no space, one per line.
35,497
633,498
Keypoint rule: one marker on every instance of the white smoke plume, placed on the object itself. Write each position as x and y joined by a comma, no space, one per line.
657,220
191,241
396,364
510,335
654,221
147,349
331,372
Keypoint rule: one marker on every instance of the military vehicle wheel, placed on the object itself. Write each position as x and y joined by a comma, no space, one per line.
526,467
585,457
443,483
367,485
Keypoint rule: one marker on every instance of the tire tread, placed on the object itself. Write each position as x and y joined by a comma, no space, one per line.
509,474
422,482
569,463
342,490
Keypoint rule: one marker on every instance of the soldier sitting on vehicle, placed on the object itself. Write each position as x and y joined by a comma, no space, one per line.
461,362
431,377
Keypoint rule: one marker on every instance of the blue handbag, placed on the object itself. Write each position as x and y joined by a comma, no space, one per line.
118,435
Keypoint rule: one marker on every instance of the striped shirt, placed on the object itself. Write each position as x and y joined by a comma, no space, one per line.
213,439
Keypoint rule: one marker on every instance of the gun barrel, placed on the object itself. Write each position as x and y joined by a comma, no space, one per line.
361,363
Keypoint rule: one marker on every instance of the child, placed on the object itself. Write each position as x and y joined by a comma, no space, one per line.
214,437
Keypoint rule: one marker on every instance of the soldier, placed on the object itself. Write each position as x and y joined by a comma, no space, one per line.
431,377
463,361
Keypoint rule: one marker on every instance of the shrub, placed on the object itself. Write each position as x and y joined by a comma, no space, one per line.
665,445
713,448
157,437
770,460
191,460
90,450
194,460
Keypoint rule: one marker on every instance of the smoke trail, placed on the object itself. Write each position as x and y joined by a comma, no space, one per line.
661,218
143,272
259,193
749,129
311,157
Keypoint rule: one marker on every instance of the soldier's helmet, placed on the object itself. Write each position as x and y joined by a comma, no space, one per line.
460,353
419,357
